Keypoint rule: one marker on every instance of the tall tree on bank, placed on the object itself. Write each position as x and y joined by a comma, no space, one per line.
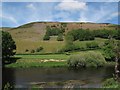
112,49
117,60
8,46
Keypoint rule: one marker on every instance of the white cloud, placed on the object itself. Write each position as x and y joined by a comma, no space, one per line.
72,5
101,14
115,14
40,12
31,6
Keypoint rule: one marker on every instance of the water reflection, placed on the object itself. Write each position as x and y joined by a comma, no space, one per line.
8,76
24,77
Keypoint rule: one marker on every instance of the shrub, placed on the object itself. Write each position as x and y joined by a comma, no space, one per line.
26,50
76,61
88,59
32,51
95,57
111,83
69,47
92,45
39,49
64,24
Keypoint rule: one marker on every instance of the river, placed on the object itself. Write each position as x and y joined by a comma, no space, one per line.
82,78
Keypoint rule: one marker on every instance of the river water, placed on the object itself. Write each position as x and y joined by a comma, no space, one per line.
88,78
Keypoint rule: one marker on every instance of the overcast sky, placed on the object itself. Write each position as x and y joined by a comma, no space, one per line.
18,13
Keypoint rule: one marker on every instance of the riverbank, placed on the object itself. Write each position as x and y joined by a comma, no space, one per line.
49,60
31,63
37,63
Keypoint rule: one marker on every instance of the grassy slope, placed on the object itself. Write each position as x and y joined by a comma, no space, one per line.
29,36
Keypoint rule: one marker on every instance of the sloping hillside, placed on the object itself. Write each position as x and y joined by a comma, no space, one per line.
30,36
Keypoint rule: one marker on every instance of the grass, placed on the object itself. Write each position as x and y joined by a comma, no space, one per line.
48,46
27,61
111,83
53,56
100,42
29,64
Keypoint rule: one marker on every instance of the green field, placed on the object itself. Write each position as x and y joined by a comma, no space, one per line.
50,60
42,57
30,64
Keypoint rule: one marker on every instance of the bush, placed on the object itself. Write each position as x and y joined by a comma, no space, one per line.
39,49
69,47
88,59
26,50
111,83
76,61
60,37
32,51
64,24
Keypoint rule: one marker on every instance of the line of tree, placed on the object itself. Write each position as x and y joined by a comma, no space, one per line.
53,32
107,33
81,35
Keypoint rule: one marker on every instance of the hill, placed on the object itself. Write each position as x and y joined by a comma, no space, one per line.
30,36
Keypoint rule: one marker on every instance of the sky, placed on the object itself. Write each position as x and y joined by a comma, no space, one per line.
18,13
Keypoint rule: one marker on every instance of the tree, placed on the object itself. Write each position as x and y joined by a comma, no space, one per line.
108,49
8,45
46,37
39,49
112,49
118,34
117,60
60,37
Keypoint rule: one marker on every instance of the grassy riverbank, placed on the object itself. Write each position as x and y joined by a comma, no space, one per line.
37,64
53,60
27,61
